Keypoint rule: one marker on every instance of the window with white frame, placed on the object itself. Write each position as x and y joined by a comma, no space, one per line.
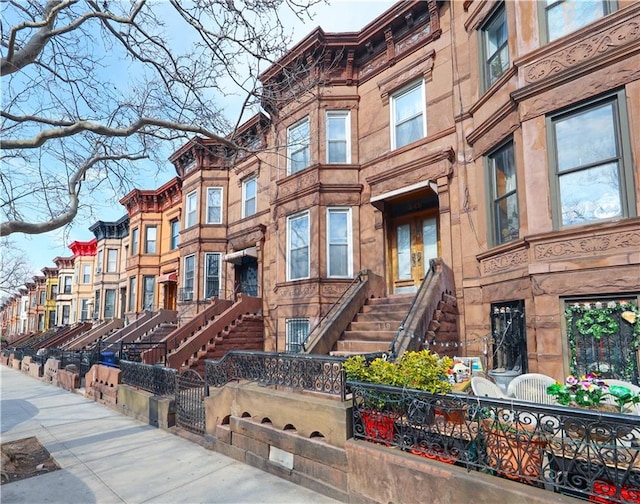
99,260
592,172
112,260
188,278
214,205
566,16
132,294
338,136
339,235
134,241
84,310
67,284
504,196
175,232
495,47
66,314
148,292
249,194
190,216
109,303
212,275
86,273
150,239
298,146
297,331
408,115
298,246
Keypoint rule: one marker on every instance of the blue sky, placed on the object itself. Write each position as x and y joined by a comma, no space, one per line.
337,16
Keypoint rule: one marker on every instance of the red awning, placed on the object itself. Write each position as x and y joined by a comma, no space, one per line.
169,277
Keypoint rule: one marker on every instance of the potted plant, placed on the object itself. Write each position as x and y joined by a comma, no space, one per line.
515,451
421,370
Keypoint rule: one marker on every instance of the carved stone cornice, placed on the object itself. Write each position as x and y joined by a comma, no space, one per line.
247,237
600,44
291,290
423,67
507,257
593,244
298,184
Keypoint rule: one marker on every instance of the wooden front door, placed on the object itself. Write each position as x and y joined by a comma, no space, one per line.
414,242
170,289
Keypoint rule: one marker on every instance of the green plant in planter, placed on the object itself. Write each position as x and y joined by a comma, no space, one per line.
420,370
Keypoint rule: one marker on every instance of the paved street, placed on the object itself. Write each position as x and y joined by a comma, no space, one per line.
106,457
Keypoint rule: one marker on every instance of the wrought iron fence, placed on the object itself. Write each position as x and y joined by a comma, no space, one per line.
83,359
586,454
318,373
132,351
155,379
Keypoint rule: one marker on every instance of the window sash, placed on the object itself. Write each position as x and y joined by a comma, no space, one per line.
134,241
175,231
249,193
214,205
148,295
298,146
408,115
337,127
151,234
132,294
190,217
109,303
589,164
189,272
298,246
67,285
495,46
504,211
566,16
84,310
339,242
86,273
212,275
112,260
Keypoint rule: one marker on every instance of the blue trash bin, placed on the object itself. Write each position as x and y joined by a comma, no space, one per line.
108,359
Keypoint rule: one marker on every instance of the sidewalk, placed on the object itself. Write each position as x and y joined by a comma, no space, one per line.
106,457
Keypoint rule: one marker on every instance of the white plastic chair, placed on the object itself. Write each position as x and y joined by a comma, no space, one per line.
485,388
532,387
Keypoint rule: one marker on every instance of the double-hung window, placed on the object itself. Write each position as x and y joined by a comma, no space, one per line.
298,146
132,294
150,239
134,241
297,332
67,284
149,282
214,205
190,218
112,260
84,309
298,246
504,196
566,16
338,133
408,115
86,274
212,275
99,260
339,242
188,279
175,230
249,193
109,303
592,172
495,47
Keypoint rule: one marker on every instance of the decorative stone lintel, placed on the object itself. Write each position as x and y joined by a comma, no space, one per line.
423,66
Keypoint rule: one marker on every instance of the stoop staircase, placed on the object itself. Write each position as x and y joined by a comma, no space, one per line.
374,327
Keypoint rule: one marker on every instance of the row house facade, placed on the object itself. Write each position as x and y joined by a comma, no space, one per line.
152,255
64,298
51,294
500,137
110,285
82,292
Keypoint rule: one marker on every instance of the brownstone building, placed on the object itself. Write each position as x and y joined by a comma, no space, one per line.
500,137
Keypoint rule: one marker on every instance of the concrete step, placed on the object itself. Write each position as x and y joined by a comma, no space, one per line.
360,347
369,335
391,316
377,325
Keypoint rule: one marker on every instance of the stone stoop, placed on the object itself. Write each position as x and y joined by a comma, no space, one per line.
374,327
443,327
247,333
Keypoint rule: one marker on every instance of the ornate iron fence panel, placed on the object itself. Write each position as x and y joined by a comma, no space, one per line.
592,455
155,379
191,390
317,373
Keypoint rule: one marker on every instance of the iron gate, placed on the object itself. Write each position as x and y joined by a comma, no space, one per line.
190,393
